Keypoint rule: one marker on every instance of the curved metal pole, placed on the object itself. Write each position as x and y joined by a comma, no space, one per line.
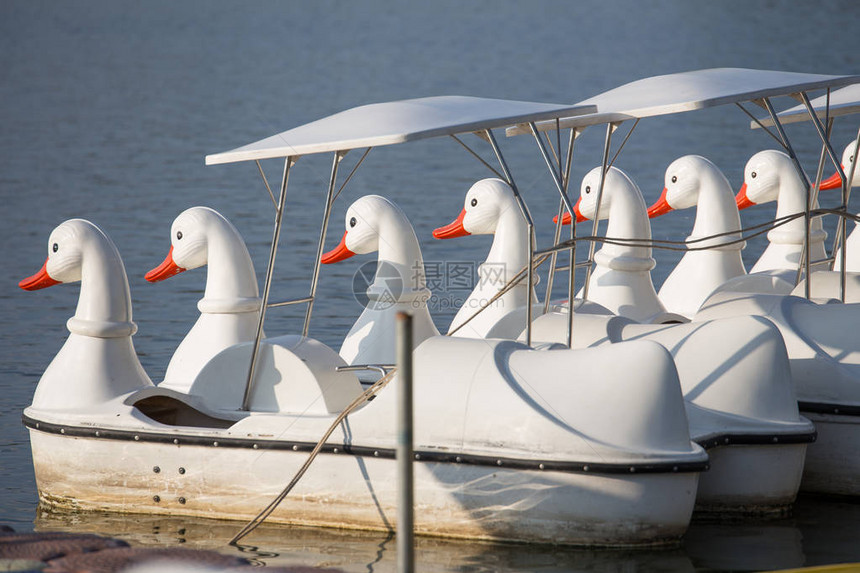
531,230
338,156
610,127
276,235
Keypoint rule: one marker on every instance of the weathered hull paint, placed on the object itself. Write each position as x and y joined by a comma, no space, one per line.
346,491
751,479
833,461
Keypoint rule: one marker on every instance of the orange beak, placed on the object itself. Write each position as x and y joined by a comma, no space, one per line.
742,200
832,182
165,270
453,229
338,253
661,207
566,218
39,280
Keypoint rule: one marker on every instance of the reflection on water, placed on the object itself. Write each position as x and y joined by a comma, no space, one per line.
821,531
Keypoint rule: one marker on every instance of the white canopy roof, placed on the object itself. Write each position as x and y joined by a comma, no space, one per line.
397,122
687,91
842,102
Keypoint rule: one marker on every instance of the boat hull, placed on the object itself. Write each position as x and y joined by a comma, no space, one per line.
751,479
833,462
344,490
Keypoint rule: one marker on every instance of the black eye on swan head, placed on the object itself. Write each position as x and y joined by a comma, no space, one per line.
352,222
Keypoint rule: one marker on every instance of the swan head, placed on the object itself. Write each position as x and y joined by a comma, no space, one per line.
586,205
681,185
762,178
66,246
848,157
485,203
617,182
189,245
363,221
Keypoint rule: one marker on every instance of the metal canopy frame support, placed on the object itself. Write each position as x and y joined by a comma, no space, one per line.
476,156
610,127
811,189
336,159
266,183
825,139
531,230
839,240
565,175
279,217
807,216
561,177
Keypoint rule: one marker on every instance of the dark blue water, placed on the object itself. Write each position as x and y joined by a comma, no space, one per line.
108,108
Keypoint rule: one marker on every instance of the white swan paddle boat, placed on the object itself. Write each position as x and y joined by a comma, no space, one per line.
832,374
510,442
734,373
822,344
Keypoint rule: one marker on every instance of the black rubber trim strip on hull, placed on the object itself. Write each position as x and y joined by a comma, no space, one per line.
758,439
833,409
363,451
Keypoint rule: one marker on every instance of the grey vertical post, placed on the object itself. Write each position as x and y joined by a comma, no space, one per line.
405,453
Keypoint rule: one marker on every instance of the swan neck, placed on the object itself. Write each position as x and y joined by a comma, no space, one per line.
230,276
104,303
398,246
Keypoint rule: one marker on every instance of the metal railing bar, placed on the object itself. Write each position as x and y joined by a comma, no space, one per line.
289,302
